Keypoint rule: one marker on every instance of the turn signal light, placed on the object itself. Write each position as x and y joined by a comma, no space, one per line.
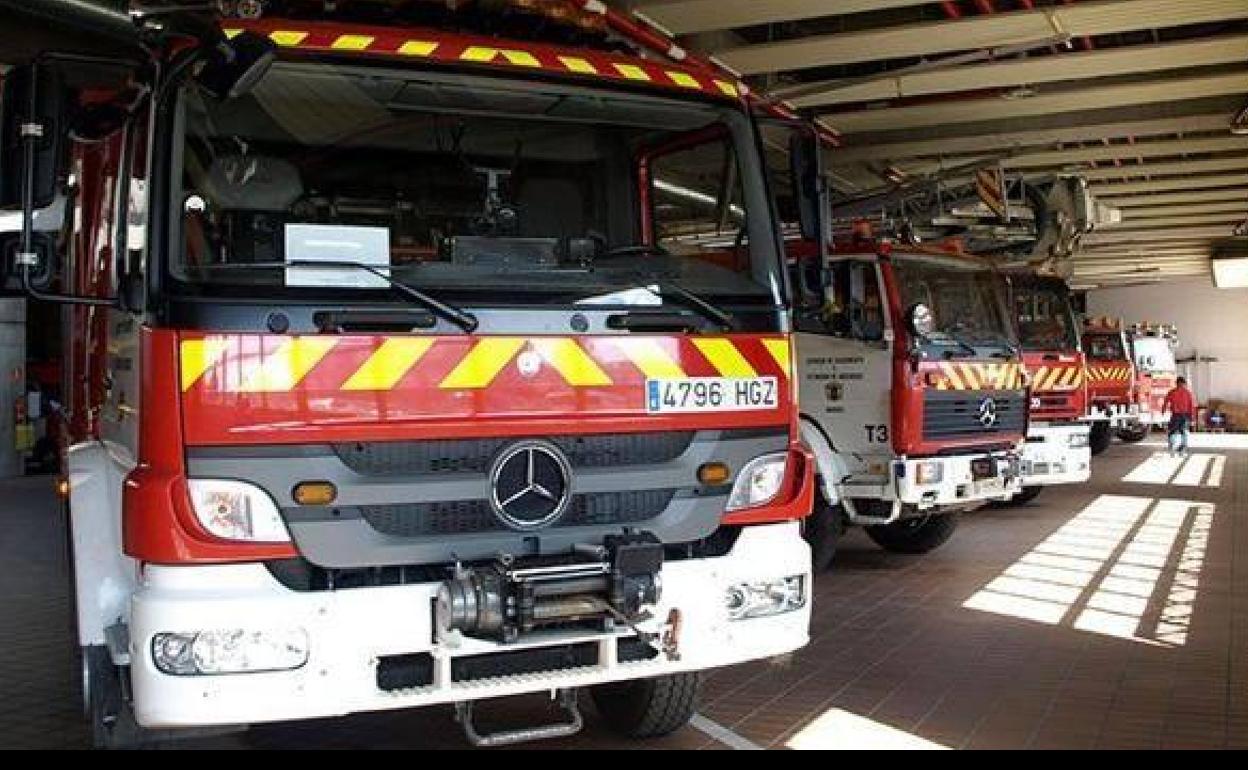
714,474
315,493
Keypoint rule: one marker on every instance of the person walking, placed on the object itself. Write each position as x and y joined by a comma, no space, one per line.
1182,410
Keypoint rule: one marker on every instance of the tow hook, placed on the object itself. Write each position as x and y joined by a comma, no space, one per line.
671,635
567,702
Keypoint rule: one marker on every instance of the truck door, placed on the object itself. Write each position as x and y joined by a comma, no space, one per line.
844,357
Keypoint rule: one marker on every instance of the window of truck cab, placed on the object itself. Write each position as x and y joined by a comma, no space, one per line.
1045,319
966,300
477,189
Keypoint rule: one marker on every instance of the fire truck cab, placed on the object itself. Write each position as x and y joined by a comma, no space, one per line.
1112,404
1057,450
402,374
912,395
1152,351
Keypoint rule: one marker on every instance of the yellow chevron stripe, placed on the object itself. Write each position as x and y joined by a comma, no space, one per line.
650,357
197,356
352,42
631,71
728,88
287,38
971,376
725,357
571,361
779,350
388,363
683,79
483,363
286,366
418,48
577,64
951,373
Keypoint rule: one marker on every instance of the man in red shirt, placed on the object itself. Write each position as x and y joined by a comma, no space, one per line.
1182,410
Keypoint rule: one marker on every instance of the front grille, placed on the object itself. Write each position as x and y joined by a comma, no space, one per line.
956,414
611,450
460,517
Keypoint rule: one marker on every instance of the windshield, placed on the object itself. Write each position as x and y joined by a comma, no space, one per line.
964,300
478,189
1045,320
1104,347
1153,355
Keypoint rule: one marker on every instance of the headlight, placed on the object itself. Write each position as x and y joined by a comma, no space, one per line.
1077,440
930,472
230,651
236,510
758,482
765,597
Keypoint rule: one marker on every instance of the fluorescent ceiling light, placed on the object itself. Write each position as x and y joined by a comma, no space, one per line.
1231,273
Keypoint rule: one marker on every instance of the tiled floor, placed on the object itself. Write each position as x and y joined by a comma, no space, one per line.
1113,614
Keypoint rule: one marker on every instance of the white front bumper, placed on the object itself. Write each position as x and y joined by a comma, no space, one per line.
1048,457
957,485
350,629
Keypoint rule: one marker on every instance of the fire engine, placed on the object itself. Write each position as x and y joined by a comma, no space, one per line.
912,393
1112,403
401,373
1152,350
1057,449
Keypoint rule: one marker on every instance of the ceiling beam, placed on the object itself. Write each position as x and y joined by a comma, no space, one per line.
683,17
973,32
1233,163
1228,195
1229,217
1110,188
1072,99
1082,65
1157,234
1009,140
1152,212
1075,155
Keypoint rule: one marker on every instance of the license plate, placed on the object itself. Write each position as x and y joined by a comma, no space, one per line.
712,394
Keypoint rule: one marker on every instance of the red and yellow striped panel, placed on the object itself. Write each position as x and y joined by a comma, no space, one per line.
1109,372
1067,377
254,387
412,44
957,375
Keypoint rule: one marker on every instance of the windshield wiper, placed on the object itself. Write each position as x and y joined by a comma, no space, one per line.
464,320
955,339
661,288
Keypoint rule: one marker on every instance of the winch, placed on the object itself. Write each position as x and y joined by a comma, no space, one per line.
507,597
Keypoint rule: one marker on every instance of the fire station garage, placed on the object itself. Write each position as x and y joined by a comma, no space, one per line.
678,374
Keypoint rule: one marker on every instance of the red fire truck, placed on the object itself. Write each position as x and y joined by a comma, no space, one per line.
913,395
1112,382
1057,449
401,373
1152,350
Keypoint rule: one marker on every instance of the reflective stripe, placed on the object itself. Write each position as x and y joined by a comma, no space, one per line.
418,48
725,357
683,79
352,42
650,357
286,366
483,363
387,365
577,64
728,88
571,361
197,356
779,350
485,54
287,38
631,71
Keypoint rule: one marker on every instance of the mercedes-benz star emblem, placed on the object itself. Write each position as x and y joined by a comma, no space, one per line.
988,412
530,485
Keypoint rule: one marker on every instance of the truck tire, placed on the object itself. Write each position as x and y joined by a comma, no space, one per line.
823,529
112,721
648,708
916,535
1099,438
1133,433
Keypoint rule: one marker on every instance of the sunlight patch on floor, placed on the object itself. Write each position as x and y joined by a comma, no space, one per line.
1194,470
1103,570
840,729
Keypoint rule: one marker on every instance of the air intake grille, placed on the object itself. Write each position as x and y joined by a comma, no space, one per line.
611,450
956,414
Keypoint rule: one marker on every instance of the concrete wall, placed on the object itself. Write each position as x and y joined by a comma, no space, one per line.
1212,322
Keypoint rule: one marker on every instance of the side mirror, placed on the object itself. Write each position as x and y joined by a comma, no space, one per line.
32,106
804,167
234,66
919,320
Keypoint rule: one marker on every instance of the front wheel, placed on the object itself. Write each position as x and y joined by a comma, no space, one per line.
1099,438
823,529
1133,433
915,535
648,708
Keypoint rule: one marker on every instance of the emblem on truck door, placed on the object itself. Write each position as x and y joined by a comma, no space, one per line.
988,412
530,485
